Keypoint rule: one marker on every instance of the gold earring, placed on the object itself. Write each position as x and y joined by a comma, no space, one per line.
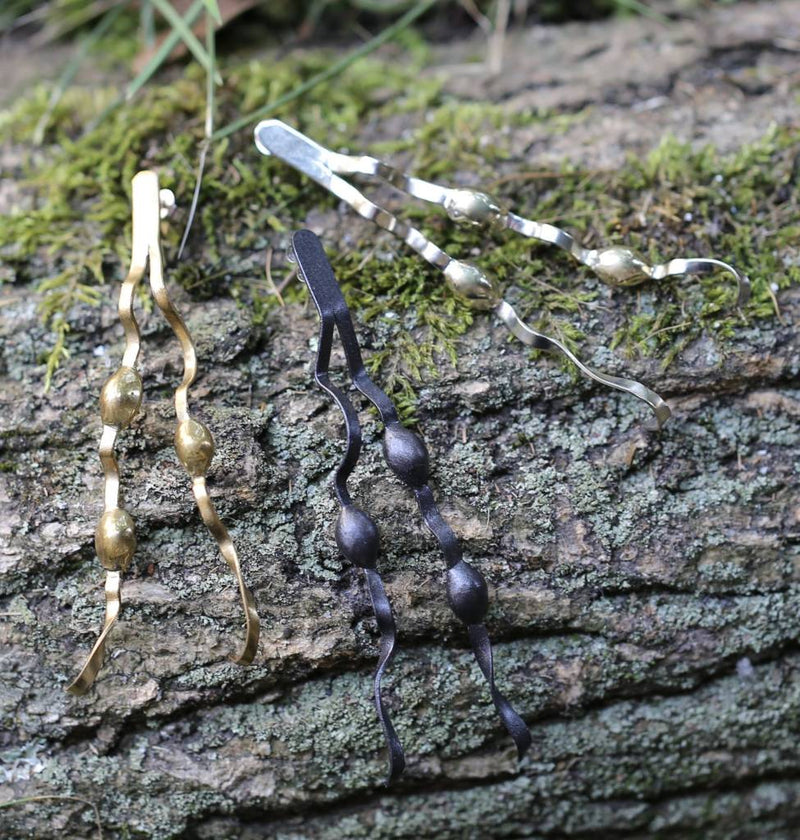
120,399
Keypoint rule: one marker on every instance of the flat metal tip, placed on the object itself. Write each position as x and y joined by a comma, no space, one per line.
261,134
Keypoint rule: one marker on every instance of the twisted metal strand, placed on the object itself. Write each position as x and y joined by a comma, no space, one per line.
407,457
195,445
356,533
617,266
120,399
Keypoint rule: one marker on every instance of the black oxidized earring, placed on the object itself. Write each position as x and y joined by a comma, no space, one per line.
406,455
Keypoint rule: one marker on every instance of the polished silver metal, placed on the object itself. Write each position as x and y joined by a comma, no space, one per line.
616,266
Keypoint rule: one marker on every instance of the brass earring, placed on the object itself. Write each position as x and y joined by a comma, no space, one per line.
120,399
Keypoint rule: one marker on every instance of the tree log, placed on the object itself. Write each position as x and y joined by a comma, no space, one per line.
645,587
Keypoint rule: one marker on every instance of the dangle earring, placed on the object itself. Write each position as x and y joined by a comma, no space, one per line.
406,455
120,399
616,266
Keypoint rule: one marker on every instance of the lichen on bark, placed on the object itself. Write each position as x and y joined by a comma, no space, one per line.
644,586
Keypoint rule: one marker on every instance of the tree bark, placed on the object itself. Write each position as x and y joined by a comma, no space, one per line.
645,595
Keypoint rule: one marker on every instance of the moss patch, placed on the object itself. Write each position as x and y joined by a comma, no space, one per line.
71,231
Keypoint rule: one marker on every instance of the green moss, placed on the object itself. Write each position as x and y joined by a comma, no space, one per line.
735,207
676,202
414,319
76,235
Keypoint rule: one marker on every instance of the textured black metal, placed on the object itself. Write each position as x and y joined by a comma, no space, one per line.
406,455
356,533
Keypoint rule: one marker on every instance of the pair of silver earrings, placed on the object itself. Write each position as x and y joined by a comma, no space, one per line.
617,266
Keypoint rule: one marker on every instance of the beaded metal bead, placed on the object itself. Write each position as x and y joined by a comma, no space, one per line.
470,283
120,398
406,455
472,207
467,592
357,537
195,447
115,540
619,267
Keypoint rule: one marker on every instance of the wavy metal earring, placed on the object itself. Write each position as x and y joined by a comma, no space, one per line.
406,455
616,266
120,399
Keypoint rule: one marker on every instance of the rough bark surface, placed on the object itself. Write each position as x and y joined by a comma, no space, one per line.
645,588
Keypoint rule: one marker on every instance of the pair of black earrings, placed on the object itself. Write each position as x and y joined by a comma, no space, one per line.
407,457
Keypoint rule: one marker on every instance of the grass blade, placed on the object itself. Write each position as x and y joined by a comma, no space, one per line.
184,31
209,129
63,19
640,8
147,24
160,56
334,70
71,70
147,72
212,7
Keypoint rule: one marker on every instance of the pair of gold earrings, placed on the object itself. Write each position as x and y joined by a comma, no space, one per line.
356,534
120,399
